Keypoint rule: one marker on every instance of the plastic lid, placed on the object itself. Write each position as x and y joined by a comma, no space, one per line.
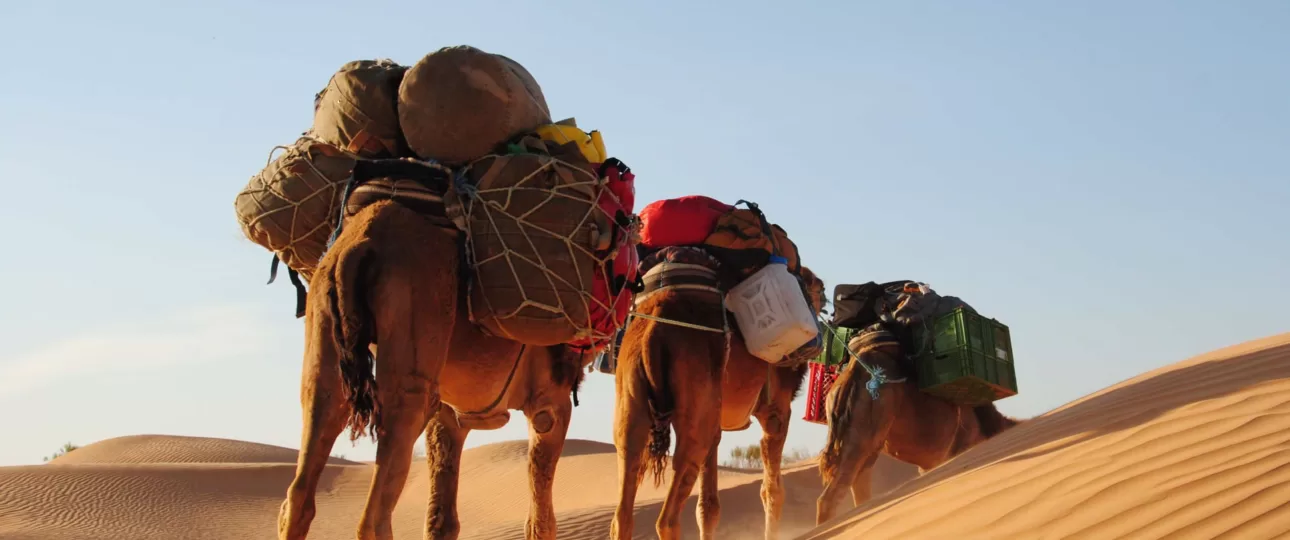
776,259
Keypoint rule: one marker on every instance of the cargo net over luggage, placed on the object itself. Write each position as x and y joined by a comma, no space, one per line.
548,216
544,234
289,207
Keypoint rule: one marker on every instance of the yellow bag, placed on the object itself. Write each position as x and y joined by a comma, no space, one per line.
566,131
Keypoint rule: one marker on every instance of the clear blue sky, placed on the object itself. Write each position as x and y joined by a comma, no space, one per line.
1110,179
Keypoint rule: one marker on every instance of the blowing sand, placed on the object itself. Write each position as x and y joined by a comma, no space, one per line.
1200,449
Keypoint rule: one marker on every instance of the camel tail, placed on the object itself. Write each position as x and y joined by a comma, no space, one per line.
352,325
992,421
838,407
662,403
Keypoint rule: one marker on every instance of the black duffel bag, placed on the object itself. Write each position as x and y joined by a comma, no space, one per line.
860,306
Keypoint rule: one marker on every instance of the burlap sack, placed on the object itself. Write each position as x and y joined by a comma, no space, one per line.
459,103
358,110
536,235
291,206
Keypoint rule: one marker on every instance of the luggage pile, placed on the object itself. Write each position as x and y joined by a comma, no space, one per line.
770,303
738,237
465,137
957,354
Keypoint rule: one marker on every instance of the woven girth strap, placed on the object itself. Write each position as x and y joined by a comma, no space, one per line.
673,276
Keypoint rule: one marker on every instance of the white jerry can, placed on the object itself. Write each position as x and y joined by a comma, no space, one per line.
772,313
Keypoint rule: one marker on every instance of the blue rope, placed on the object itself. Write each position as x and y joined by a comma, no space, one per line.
877,376
466,189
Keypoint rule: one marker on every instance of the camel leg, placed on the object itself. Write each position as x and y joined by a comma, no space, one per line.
631,434
692,449
862,438
403,419
709,508
862,486
324,407
774,423
547,428
413,349
445,439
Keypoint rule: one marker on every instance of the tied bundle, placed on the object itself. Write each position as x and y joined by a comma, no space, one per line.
549,243
290,206
547,215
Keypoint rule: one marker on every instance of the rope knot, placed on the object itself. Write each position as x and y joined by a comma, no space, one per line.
879,378
463,187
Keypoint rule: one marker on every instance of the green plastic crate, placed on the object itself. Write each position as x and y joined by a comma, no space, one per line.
967,359
835,345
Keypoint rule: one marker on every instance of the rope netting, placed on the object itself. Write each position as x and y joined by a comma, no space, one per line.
287,207
590,238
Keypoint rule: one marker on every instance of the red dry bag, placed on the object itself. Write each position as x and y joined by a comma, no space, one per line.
680,221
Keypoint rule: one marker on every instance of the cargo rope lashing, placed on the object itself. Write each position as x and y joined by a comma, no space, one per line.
475,201
877,375
682,324
641,296
463,186
293,274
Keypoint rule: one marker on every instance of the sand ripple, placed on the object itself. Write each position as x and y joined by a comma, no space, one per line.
1200,449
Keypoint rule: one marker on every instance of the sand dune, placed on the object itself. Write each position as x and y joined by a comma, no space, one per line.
177,449
167,487
1200,449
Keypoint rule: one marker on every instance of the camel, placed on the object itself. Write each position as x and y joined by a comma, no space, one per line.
393,277
906,423
699,379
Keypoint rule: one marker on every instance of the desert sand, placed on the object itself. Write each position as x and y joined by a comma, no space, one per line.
171,487
1200,449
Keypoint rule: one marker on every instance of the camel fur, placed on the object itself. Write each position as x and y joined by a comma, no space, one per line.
904,422
394,278
697,383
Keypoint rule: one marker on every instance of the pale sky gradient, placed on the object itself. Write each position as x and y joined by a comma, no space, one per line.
1110,179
